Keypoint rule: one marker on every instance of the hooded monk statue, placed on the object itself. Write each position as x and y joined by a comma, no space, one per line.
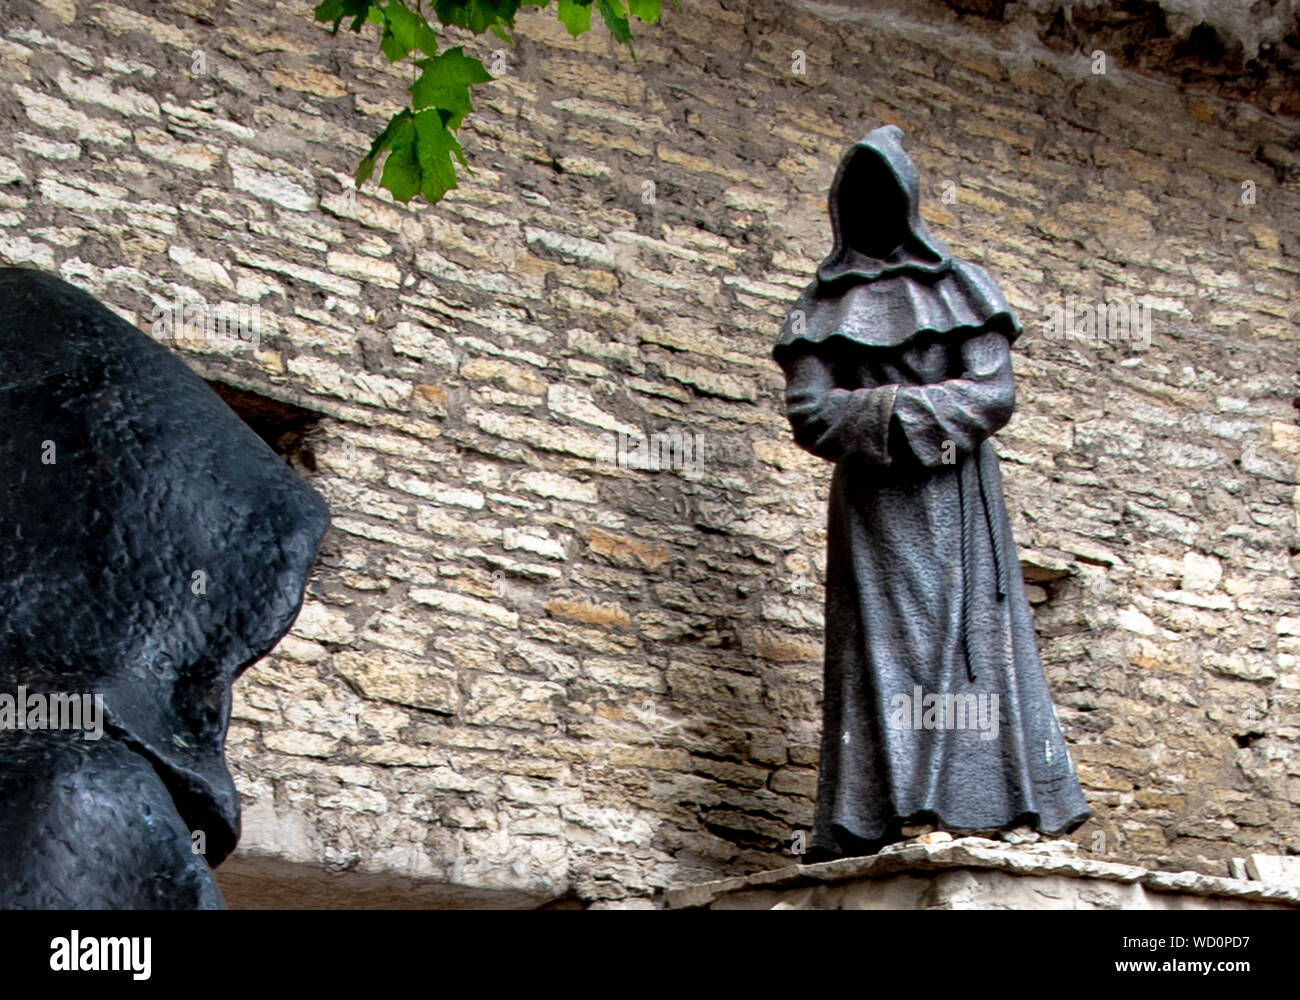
898,369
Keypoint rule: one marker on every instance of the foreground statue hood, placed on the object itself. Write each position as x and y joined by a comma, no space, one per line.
153,547
887,279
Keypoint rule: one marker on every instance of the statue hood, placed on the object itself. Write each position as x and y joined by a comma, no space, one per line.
154,546
875,214
887,279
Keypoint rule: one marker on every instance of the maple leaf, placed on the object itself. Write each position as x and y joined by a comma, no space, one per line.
405,30
419,147
646,11
445,82
575,15
337,10
615,16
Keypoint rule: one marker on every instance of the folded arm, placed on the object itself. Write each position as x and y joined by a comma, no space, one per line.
914,422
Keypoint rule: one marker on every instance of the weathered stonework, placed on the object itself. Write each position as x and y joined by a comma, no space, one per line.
525,673
978,874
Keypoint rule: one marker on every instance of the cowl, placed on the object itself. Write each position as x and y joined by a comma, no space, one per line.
887,279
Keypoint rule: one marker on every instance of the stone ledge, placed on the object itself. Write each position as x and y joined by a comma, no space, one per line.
975,873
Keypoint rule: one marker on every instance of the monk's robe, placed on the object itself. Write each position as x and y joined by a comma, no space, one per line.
898,370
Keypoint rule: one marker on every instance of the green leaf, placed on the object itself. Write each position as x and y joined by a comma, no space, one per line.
575,15
436,147
477,15
402,22
615,15
405,30
391,47
445,82
329,10
337,10
420,149
402,174
646,11
382,141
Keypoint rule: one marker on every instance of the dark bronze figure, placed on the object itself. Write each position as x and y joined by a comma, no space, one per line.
898,369
154,547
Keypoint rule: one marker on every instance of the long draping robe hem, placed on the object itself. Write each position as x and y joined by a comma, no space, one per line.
844,843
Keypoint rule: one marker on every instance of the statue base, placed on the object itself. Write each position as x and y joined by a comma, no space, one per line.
973,873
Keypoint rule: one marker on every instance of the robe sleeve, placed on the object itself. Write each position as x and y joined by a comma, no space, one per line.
964,410
832,422
908,422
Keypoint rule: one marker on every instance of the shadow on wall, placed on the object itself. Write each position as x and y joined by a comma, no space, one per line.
289,429
262,883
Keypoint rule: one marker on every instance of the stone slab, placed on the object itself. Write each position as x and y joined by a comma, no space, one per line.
975,873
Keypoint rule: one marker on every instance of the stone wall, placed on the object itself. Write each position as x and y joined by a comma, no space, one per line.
526,671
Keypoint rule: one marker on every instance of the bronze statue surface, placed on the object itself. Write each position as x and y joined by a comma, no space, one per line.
898,369
154,547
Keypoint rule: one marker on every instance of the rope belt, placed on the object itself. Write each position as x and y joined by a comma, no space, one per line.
967,555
